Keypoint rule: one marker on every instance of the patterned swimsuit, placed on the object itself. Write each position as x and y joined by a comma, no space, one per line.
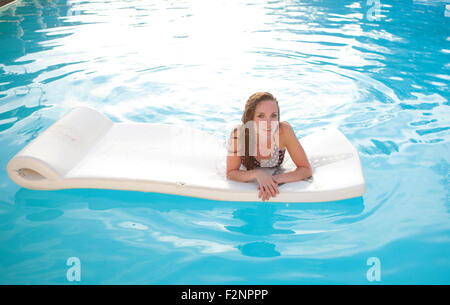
275,160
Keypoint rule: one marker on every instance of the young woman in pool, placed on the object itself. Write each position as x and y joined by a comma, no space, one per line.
261,141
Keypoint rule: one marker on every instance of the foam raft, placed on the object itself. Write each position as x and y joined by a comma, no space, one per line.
86,149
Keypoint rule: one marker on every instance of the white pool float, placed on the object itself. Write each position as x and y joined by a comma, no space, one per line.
85,149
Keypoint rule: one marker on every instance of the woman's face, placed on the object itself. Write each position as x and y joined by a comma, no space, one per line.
266,117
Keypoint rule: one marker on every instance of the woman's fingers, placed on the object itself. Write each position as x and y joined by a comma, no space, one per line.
264,193
272,190
276,182
268,190
268,193
275,187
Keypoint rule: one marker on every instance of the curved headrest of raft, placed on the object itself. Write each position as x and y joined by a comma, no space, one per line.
51,155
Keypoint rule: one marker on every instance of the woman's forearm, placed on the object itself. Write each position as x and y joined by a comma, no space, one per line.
298,174
242,175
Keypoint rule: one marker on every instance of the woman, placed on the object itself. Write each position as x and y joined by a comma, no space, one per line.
261,141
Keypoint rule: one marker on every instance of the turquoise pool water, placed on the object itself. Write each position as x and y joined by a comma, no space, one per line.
380,76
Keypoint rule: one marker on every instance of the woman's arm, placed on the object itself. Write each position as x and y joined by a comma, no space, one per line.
298,174
234,161
298,156
241,175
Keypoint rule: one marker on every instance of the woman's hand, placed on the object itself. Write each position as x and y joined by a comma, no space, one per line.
268,185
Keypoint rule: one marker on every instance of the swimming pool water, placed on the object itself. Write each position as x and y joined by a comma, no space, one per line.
377,70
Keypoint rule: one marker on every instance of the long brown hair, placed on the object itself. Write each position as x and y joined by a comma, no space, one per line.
248,115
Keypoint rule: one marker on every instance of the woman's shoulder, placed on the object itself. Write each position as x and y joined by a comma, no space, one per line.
285,129
236,130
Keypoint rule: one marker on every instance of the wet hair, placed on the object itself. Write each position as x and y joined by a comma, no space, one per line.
243,130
